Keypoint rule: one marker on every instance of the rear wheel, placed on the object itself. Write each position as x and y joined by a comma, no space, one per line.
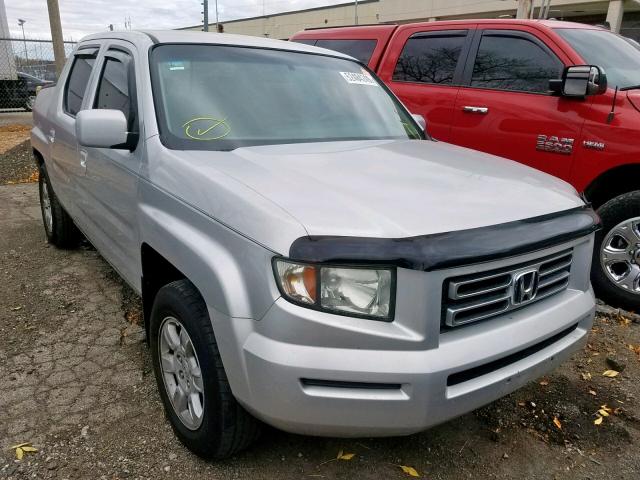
191,379
616,262
29,103
58,225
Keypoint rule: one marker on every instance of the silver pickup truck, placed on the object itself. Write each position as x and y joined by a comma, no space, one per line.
306,255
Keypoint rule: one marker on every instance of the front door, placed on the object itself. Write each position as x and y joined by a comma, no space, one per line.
505,107
111,179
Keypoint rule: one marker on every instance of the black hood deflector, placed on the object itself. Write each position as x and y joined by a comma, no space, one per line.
451,249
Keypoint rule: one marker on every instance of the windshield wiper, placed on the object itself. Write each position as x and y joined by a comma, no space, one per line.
631,87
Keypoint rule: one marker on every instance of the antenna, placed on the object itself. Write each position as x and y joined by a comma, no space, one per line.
613,106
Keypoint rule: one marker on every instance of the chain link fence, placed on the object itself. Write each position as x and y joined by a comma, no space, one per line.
25,64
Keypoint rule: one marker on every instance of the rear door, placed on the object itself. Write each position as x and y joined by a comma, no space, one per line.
66,169
423,66
111,180
505,106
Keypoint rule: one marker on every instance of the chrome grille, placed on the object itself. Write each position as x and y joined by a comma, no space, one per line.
484,295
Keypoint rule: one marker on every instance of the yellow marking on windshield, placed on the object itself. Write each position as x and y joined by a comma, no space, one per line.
205,125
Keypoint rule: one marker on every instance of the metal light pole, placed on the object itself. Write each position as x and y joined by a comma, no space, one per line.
21,23
356,12
205,13
217,28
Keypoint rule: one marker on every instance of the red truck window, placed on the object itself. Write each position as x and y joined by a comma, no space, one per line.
514,63
430,57
358,49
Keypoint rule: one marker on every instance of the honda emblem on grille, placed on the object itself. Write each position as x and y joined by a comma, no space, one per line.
525,286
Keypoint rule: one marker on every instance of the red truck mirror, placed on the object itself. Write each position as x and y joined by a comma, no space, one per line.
580,81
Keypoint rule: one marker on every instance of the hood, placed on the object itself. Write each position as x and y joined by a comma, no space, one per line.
389,189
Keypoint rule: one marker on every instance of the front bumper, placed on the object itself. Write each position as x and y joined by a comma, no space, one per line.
315,373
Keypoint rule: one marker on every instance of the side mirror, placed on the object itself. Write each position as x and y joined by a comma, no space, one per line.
420,121
102,129
580,81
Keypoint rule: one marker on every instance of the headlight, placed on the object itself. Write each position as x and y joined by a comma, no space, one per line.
366,292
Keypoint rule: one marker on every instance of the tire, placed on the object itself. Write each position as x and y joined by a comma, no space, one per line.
620,235
29,103
222,427
58,225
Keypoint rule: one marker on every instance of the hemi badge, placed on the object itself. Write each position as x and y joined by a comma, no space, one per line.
593,145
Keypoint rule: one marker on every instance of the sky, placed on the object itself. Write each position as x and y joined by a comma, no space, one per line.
82,17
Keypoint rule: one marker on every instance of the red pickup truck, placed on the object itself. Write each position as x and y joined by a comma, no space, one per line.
558,96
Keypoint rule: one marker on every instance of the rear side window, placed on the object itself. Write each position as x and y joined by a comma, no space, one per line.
115,84
358,49
514,63
77,83
430,57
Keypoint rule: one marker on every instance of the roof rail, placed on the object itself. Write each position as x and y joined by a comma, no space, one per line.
345,26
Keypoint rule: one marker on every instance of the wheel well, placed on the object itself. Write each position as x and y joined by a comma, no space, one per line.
38,156
157,272
612,183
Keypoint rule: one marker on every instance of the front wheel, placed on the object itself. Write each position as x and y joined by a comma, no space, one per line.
616,258
191,379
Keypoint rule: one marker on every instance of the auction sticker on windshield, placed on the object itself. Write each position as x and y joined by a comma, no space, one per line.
359,78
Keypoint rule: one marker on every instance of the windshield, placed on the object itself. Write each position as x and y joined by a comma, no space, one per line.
211,97
619,58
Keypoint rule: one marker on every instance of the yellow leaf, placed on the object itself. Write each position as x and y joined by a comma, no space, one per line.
346,456
19,453
604,413
610,373
410,471
20,445
557,423
598,421
339,454
29,449
605,407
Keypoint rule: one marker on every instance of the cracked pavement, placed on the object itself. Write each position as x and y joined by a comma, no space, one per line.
77,384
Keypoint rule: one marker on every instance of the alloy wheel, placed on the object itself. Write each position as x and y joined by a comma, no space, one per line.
181,373
620,255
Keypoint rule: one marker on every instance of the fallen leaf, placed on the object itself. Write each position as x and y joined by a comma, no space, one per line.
557,423
15,309
610,373
29,449
410,471
618,411
521,404
586,376
593,392
604,413
598,421
19,453
20,445
544,383
345,456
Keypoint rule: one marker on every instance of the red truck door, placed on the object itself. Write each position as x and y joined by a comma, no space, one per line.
423,66
504,106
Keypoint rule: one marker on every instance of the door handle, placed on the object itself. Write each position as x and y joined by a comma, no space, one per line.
480,110
83,159
52,136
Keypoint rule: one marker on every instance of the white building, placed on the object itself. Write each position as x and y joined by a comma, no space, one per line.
622,15
7,59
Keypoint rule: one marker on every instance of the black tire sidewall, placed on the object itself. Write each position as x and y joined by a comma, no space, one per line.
613,213
43,178
170,303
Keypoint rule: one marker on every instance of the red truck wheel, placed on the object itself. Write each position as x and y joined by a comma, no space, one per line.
616,257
